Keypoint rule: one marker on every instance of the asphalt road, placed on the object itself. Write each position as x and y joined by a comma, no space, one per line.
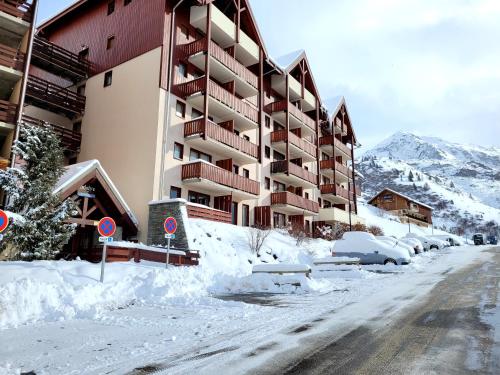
445,334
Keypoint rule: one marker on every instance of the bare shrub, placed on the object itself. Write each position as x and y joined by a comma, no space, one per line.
358,227
298,233
332,232
375,230
256,238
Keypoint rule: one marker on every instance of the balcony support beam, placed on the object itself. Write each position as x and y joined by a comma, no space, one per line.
353,175
317,142
207,66
287,123
261,102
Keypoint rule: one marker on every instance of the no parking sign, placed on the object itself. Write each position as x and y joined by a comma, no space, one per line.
170,226
4,222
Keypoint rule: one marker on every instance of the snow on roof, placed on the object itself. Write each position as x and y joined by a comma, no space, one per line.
285,61
402,195
333,104
76,171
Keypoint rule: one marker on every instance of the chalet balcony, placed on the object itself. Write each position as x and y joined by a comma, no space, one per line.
339,128
11,58
4,163
293,204
336,193
225,34
8,112
222,103
326,143
59,61
298,147
52,97
332,215
218,181
293,174
342,172
214,138
223,67
298,119
70,140
18,9
308,102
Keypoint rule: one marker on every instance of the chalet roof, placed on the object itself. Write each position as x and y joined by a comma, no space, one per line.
333,105
289,60
401,195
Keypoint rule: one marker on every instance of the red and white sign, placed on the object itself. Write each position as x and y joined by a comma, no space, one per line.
4,221
106,227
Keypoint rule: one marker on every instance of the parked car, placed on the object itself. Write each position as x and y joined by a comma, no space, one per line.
369,250
417,245
493,240
394,242
428,242
478,239
447,240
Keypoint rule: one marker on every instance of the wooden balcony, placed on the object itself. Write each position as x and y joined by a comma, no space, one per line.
18,9
11,58
59,61
298,119
300,147
220,140
293,174
330,165
8,112
292,203
218,180
336,193
196,211
54,98
70,140
330,140
4,163
222,104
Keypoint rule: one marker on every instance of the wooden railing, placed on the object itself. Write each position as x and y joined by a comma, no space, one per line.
336,190
208,213
281,105
8,112
331,140
70,140
54,54
4,163
287,198
11,57
282,136
218,133
55,95
283,166
18,8
219,176
332,164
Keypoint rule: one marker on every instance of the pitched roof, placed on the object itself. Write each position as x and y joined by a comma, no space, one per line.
403,196
333,105
289,60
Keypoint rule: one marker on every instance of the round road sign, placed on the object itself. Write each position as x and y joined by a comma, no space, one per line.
106,227
4,221
170,225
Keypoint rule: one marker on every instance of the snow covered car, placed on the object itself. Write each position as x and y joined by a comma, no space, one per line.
415,243
450,240
394,242
428,242
369,250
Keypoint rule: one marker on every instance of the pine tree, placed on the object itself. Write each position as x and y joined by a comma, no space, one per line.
452,185
410,176
418,177
414,186
426,186
43,232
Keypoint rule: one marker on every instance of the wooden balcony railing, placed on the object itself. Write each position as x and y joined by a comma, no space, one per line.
287,198
336,190
332,164
4,163
70,140
218,133
220,176
221,56
220,94
281,105
282,136
358,189
208,213
11,57
8,112
52,95
18,8
283,166
329,140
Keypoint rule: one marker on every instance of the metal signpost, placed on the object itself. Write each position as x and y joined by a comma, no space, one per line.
106,228
170,226
4,223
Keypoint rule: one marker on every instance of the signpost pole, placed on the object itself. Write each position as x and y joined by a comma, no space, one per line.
103,261
168,252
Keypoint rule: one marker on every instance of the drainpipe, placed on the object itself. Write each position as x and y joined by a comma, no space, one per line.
166,124
24,83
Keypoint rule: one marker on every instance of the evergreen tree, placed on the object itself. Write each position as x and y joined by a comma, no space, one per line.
452,185
414,186
410,176
418,177
43,232
426,186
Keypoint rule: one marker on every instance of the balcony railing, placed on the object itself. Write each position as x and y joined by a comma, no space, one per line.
208,213
220,94
281,105
18,8
284,166
4,163
11,57
218,133
336,190
45,93
220,176
8,112
70,140
332,164
287,198
221,56
331,140
283,136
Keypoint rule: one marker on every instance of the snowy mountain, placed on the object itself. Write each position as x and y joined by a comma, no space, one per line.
461,182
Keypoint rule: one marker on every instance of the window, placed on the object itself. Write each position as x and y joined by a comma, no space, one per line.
246,138
267,152
245,215
307,226
387,197
81,90
278,156
175,192
327,204
278,186
195,113
180,109
178,151
319,202
126,2
108,78
306,195
278,220
182,69
268,122
77,127
84,53
234,213
324,156
110,42
195,197
326,180
195,155
237,132
236,169
267,183
111,7
246,173
184,31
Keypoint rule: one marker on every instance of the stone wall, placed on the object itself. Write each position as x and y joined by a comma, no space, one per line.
158,212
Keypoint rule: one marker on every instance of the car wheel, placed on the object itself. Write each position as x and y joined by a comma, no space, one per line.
390,261
434,247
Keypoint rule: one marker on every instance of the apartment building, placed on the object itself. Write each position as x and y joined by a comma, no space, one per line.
244,138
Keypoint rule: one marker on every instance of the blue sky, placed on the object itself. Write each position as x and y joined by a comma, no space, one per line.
432,67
